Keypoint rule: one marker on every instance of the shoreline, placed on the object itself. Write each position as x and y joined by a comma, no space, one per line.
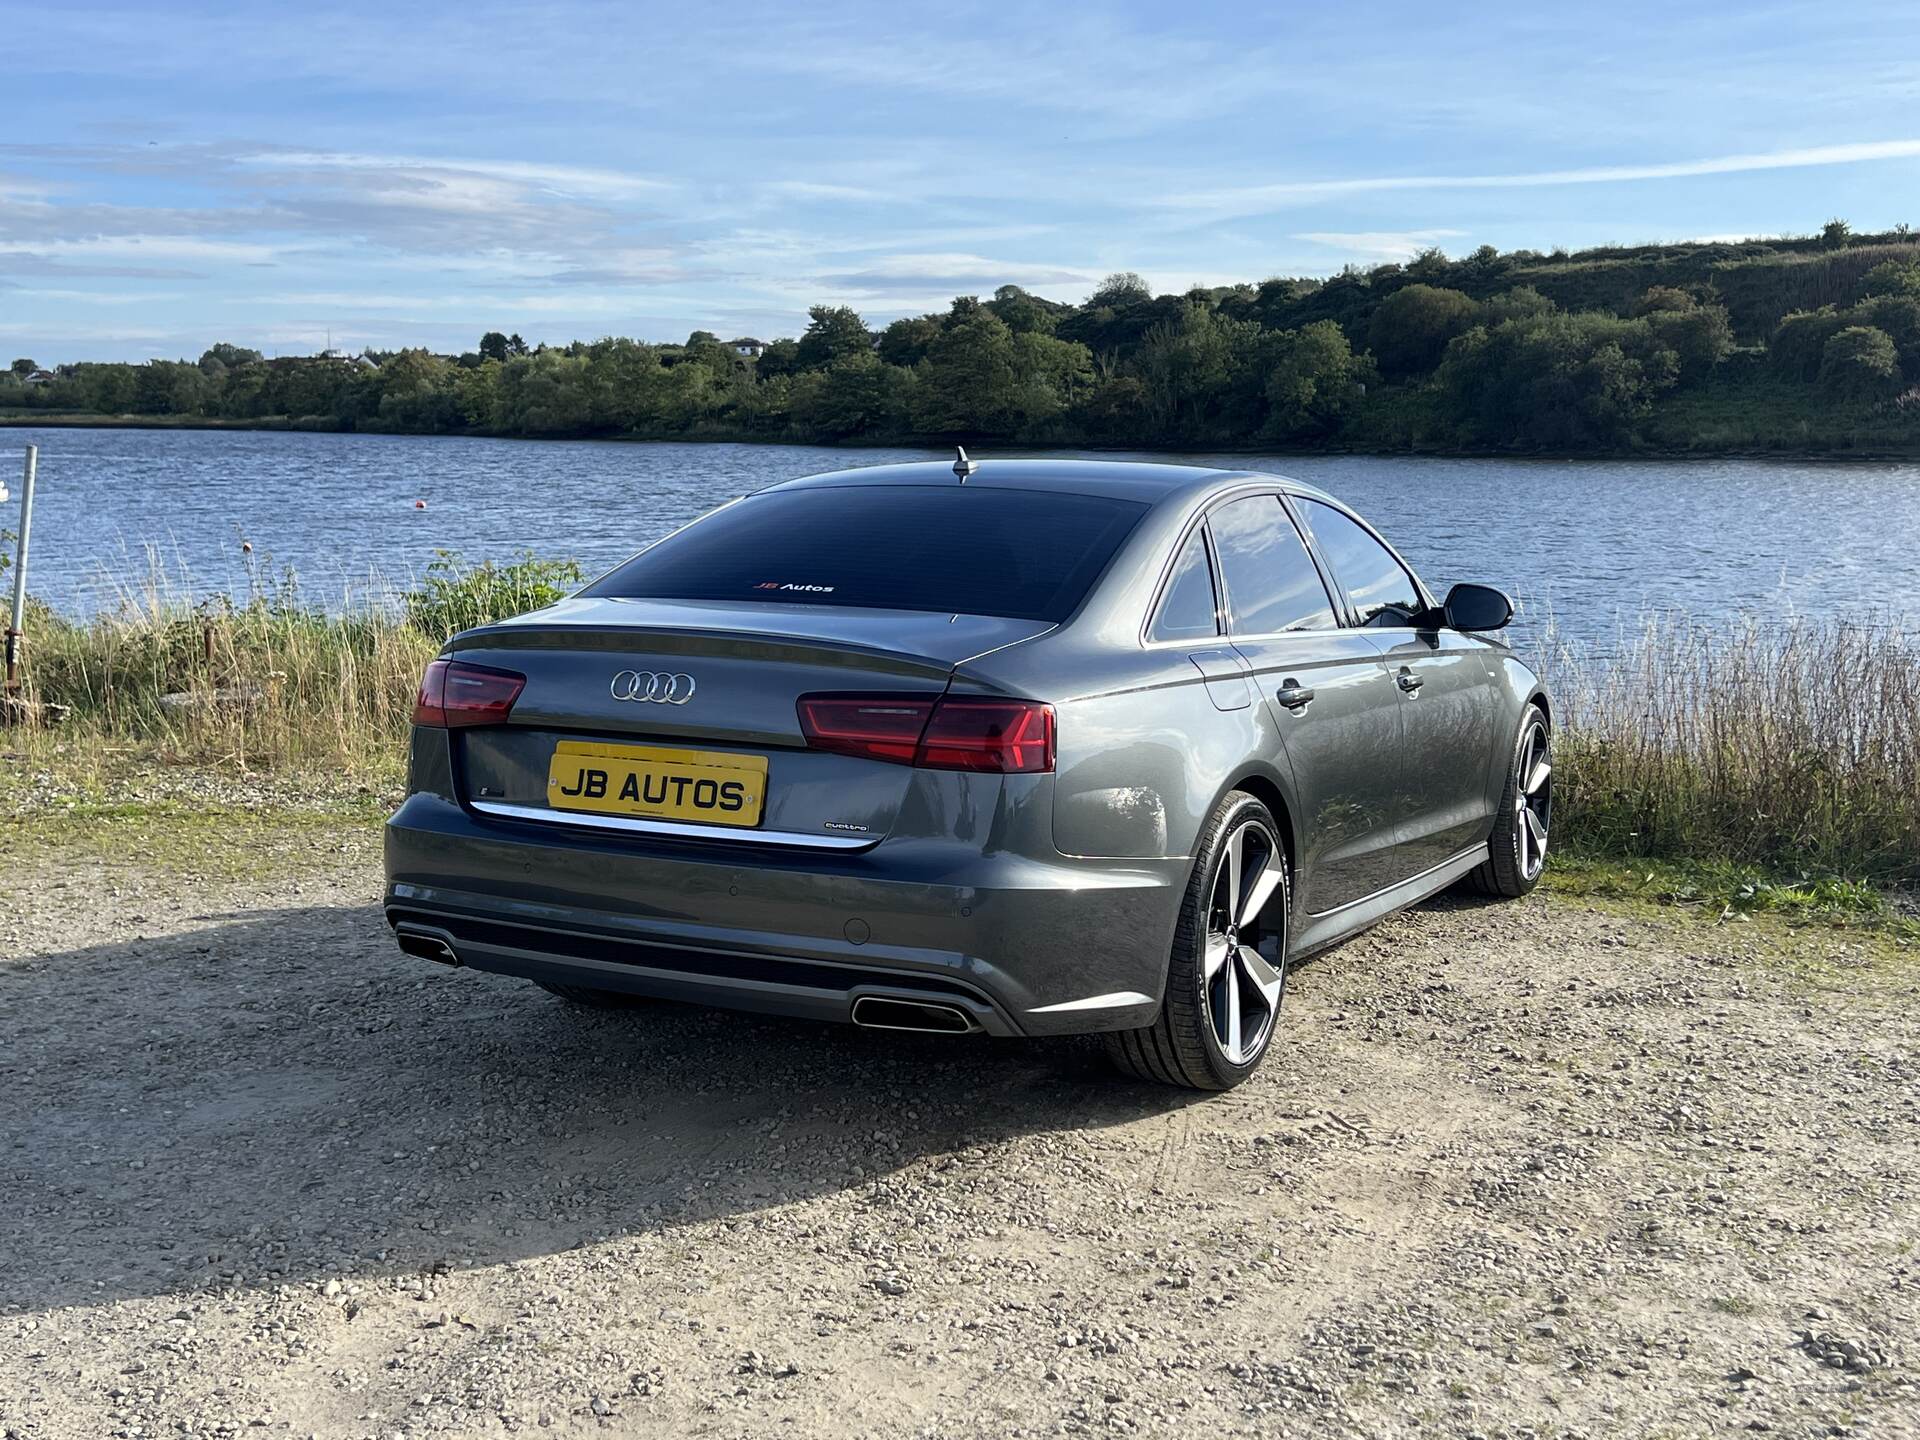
288,425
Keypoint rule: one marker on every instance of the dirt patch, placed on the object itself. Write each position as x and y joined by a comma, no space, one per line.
1533,1169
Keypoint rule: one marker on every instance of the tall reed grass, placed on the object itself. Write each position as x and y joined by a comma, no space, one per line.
273,681
1793,745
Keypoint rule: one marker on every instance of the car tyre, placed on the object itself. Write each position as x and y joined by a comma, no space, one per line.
1228,973
594,999
1518,847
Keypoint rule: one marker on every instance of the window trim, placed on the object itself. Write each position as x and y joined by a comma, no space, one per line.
1353,621
1198,525
1336,600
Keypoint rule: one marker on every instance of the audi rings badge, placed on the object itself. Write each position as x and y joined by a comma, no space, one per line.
652,687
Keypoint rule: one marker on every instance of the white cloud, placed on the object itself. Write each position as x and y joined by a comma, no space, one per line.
816,190
1379,244
584,181
1258,199
171,247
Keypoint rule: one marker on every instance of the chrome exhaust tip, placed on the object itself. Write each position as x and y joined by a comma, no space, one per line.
925,1017
426,945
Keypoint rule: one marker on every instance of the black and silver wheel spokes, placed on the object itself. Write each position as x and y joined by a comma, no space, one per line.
1533,804
1245,956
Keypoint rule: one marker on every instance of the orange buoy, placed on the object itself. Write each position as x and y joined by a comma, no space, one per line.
419,504
246,547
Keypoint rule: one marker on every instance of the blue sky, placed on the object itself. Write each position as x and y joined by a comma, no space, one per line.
414,174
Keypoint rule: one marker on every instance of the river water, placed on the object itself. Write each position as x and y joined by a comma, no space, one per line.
1592,544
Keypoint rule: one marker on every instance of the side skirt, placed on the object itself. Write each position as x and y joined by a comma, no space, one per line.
1321,931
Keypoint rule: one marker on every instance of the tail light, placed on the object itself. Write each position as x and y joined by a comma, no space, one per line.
455,694
998,737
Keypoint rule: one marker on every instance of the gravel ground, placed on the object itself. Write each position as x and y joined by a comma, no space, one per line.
1525,1170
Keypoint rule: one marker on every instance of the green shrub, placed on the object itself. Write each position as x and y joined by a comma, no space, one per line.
1859,363
1409,332
456,596
1799,343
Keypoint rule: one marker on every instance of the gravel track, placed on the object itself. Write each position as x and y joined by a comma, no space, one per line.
1521,1170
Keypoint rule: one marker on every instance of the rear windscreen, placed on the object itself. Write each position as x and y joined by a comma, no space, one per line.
1027,554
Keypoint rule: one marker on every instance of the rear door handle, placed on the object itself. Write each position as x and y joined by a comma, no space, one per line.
1294,695
1408,681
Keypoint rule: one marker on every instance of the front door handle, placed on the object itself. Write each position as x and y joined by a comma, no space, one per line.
1408,681
1295,696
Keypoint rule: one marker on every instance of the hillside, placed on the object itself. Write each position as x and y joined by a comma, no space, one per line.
1798,345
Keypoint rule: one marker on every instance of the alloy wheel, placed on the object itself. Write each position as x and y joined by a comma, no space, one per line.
1533,802
1245,960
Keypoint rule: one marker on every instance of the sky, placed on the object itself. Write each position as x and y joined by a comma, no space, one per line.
411,174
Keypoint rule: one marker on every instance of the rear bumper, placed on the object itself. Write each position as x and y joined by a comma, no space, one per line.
1024,947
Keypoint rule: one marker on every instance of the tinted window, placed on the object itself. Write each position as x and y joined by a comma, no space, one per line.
1187,609
1271,583
1377,584
971,551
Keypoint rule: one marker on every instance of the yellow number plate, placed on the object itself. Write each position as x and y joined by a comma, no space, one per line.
647,782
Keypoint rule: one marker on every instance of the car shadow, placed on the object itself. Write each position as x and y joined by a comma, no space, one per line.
281,1097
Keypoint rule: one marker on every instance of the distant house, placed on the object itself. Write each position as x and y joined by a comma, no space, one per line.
752,349
37,377
360,361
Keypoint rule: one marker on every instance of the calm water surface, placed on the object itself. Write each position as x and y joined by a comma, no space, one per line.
1591,543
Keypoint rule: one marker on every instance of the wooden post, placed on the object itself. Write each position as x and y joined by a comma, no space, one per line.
15,637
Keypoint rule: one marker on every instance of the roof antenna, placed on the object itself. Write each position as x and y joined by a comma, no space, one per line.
962,466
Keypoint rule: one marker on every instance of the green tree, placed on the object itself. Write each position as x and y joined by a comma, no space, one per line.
1410,329
1891,277
1120,291
859,394
493,346
1699,335
1049,376
833,332
1314,380
418,392
968,383
907,340
24,367
1899,317
779,359
1835,235
1023,313
223,356
1661,298
1859,363
1523,302
1560,380
478,393
1799,342
1201,374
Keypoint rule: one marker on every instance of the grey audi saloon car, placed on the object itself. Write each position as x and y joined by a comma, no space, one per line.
1017,747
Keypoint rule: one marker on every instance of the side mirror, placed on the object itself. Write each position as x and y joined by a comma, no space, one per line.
1477,607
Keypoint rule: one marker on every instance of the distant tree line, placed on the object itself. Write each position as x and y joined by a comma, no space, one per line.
1489,351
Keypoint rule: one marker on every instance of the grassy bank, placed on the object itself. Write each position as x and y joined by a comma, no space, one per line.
1775,762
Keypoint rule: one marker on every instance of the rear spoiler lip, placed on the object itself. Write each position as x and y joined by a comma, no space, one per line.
663,638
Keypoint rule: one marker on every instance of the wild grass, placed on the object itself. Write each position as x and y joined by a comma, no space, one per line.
1793,746
1777,761
271,683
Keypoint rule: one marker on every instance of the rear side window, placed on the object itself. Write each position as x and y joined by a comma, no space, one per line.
1377,585
1188,610
1272,585
1025,554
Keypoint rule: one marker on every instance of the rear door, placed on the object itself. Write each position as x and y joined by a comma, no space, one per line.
1444,685
1330,696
